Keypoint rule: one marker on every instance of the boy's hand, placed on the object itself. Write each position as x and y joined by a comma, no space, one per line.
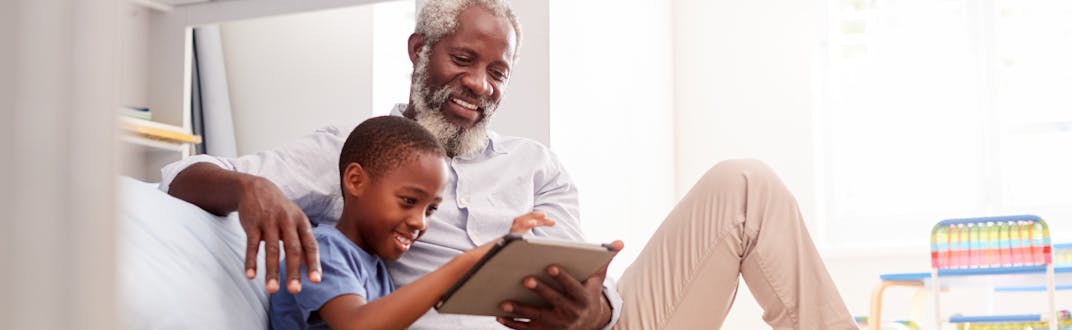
267,215
521,225
530,220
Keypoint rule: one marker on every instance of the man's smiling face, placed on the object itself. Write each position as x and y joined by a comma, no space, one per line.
468,69
459,81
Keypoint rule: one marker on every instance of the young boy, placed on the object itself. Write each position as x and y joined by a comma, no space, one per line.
392,172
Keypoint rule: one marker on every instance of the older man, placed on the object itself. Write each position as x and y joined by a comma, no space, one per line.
739,220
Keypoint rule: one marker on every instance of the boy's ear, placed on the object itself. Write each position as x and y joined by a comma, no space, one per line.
416,42
354,180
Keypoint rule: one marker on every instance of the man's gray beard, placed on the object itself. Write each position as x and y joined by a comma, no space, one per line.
428,104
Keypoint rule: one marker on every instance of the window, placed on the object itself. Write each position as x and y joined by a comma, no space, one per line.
932,109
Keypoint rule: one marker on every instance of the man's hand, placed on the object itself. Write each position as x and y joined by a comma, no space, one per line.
579,305
267,215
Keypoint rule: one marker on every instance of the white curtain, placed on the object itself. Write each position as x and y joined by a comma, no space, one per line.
58,96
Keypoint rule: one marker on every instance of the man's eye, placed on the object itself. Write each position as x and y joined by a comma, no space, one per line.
461,59
498,75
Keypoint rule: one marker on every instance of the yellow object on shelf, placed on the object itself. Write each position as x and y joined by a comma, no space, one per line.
157,131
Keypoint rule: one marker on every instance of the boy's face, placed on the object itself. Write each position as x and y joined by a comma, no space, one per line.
392,210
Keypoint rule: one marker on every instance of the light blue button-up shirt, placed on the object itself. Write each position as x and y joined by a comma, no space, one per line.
485,192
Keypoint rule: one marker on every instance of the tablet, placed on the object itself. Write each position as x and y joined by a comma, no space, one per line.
497,276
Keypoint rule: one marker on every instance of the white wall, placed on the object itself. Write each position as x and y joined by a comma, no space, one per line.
289,75
134,55
611,115
168,87
525,108
392,23
743,88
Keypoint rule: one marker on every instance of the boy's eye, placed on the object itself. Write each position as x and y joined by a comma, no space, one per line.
409,201
431,210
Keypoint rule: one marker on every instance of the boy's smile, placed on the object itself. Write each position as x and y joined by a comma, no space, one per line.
406,240
385,214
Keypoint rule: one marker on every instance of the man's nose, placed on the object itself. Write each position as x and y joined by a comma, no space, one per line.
477,82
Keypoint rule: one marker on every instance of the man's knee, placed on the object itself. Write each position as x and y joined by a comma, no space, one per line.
738,173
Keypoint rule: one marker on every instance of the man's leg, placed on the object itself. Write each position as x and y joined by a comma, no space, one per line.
738,219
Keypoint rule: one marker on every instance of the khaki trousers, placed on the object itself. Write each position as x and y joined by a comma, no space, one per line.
738,220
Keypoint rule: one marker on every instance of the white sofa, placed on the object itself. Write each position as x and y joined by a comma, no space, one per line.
181,267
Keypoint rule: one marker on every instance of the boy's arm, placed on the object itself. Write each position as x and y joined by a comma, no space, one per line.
401,308
404,306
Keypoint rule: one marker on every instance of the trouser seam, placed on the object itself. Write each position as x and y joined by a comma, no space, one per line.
691,280
777,290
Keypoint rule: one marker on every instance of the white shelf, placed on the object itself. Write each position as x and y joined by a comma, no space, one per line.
155,144
142,156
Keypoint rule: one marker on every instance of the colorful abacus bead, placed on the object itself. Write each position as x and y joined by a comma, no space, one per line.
940,248
1004,244
1016,242
1040,244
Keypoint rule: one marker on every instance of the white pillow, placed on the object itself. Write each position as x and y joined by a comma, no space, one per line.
181,267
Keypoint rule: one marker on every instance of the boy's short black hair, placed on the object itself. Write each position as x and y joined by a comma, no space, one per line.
383,143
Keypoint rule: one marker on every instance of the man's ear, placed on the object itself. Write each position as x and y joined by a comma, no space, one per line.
355,180
416,42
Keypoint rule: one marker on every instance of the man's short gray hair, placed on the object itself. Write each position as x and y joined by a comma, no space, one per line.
439,18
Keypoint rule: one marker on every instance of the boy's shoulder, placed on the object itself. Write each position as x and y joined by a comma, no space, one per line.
327,234
332,244
341,256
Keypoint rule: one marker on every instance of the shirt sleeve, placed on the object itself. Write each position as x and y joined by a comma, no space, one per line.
610,290
557,197
337,279
306,171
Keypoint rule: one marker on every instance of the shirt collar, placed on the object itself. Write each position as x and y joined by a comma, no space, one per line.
494,140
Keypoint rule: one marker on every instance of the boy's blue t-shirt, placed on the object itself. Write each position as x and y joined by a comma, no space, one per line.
347,269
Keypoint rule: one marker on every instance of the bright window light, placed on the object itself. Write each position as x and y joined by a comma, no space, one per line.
938,109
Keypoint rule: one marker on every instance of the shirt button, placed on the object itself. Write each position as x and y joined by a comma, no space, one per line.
461,202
